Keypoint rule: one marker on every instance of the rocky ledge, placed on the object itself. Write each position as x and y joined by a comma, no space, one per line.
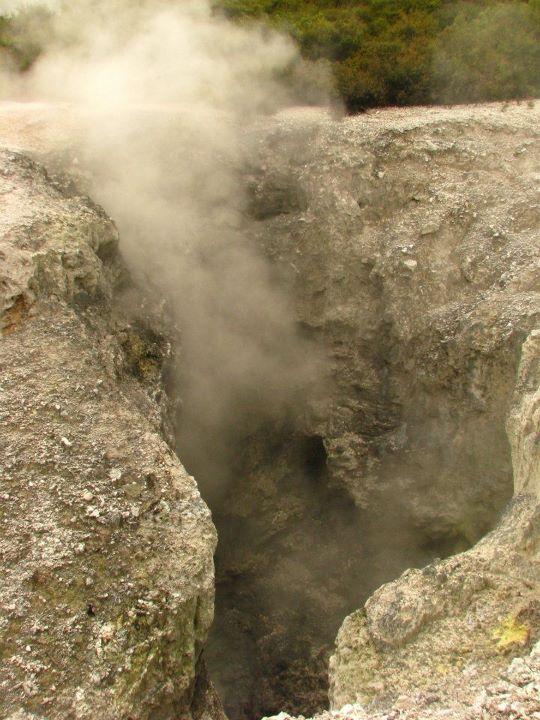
409,242
106,546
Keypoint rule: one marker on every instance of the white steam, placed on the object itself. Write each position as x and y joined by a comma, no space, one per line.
9,7
158,54
169,91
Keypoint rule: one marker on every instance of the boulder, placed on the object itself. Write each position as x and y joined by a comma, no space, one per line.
107,570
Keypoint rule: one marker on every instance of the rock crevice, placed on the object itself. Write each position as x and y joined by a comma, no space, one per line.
407,244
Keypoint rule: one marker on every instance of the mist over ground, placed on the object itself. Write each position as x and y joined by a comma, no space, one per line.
13,6
167,93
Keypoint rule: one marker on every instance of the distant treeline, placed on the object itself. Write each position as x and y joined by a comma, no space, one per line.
22,37
404,52
380,52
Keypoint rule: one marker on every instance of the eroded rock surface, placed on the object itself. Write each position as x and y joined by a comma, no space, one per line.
448,629
513,693
524,422
415,262
106,546
409,240
438,636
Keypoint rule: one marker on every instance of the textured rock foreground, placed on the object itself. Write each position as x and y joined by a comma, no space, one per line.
513,695
106,546
439,636
409,241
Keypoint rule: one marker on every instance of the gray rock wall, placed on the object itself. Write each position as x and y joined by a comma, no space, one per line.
524,421
415,261
409,242
107,571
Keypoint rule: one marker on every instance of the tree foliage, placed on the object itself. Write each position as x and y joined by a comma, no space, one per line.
402,52
381,52
22,37
489,52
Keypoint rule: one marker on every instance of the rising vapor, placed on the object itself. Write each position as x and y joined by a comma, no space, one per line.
168,93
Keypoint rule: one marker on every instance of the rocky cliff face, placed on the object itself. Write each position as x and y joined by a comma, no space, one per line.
407,242
413,260
107,571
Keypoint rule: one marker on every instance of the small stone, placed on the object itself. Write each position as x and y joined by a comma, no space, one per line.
429,228
410,264
133,490
87,496
66,442
107,632
30,688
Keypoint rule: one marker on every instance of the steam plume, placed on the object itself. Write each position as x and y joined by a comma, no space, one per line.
8,7
168,92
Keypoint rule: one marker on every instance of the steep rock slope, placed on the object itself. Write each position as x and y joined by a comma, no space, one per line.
411,248
106,546
410,243
437,636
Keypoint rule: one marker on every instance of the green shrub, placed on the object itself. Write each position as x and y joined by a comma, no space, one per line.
381,52
489,53
402,52
22,37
